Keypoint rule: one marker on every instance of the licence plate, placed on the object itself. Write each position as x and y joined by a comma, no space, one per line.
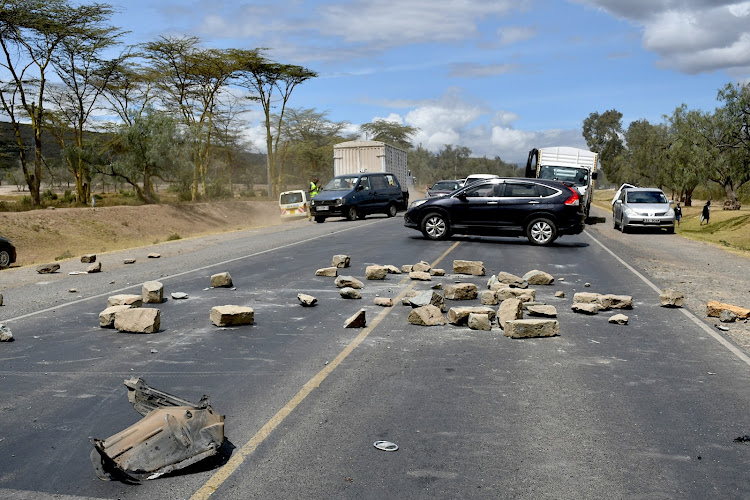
321,208
651,221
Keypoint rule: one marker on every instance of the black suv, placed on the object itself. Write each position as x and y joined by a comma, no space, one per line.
541,210
7,253
356,195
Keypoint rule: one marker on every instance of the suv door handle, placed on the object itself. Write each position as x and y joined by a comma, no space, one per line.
533,203
492,203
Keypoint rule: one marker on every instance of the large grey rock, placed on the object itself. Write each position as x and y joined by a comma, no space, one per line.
479,321
126,299
529,328
350,293
356,320
460,315
392,269
510,309
587,298
610,301
618,319
542,310
472,267
341,261
406,268
437,272
138,320
421,267
153,255
537,277
727,316
231,315
220,280
525,295
508,278
428,297
152,292
129,260
586,307
48,268
96,267
179,295
560,294
348,281
461,291
488,298
375,272
671,298
5,334
88,258
383,301
420,275
306,300
107,316
331,272
428,315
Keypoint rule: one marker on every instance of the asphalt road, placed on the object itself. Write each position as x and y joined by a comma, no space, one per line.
648,410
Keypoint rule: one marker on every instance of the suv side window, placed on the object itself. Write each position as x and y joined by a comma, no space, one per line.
520,190
364,183
545,191
481,191
391,180
378,182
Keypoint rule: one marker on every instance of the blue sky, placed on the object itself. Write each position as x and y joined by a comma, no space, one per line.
497,76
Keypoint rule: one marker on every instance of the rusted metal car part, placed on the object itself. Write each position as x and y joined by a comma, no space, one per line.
169,437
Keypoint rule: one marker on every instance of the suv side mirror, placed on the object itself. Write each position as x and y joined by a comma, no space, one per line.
360,187
462,196
594,175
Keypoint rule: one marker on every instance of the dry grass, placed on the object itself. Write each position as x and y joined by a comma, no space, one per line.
729,229
43,236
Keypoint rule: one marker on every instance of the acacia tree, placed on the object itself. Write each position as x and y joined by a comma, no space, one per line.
130,89
730,125
191,81
271,84
31,31
391,132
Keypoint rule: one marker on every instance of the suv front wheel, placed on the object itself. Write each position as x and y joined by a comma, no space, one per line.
352,213
435,226
541,231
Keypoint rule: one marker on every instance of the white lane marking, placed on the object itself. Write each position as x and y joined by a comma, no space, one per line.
203,268
731,347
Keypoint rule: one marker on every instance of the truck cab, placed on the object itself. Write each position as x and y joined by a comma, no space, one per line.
573,166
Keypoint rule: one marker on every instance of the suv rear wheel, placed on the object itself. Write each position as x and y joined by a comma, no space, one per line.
541,231
4,259
391,212
351,213
435,226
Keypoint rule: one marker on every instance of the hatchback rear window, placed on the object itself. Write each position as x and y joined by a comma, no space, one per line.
287,198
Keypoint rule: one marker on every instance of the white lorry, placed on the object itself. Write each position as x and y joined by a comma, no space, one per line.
562,163
356,157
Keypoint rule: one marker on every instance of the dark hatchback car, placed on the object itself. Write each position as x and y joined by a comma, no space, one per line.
7,253
355,196
441,188
541,210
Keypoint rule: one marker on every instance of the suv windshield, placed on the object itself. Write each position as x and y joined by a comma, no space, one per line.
646,197
445,186
341,183
578,176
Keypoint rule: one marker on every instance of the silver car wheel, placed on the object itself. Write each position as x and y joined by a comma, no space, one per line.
435,227
541,232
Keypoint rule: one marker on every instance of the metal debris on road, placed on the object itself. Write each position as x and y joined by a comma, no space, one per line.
385,445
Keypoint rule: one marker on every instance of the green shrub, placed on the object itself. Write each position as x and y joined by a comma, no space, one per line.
49,195
173,237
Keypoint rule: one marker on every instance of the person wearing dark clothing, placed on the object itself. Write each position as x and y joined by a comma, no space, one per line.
678,213
706,213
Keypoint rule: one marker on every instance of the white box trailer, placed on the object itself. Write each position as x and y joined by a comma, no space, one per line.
355,157
565,163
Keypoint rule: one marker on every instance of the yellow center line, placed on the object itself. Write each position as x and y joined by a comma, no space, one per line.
248,448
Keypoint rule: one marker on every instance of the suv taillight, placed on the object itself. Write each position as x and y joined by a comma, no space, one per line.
574,200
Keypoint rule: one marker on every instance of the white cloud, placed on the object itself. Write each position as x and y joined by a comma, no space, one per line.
473,70
514,34
692,36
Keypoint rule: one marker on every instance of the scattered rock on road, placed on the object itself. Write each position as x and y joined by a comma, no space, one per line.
152,292
107,316
421,267
232,315
428,297
560,294
437,272
96,267
125,299
420,275
340,261
537,277
348,281
461,291
472,267
179,295
510,309
48,268
357,320
618,319
509,279
138,320
586,307
478,321
460,315
727,316
428,315
128,261
5,334
488,298
306,300
670,297
153,255
529,328
392,269
375,272
88,258
524,295
714,308
542,310
221,280
331,272
350,293
383,301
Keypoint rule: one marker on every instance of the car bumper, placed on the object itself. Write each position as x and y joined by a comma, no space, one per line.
410,220
327,211
654,222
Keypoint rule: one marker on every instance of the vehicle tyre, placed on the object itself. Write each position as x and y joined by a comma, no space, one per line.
4,259
352,213
320,219
360,215
435,226
614,222
541,231
391,212
624,227
670,230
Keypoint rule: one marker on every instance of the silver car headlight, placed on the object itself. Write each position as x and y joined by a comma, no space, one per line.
416,203
627,210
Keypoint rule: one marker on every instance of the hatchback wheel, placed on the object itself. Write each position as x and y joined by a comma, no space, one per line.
541,231
435,226
391,212
351,213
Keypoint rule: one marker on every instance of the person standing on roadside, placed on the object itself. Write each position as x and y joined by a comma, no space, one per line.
678,213
314,189
706,213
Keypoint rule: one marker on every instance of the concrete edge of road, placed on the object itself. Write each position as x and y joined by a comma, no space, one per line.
706,328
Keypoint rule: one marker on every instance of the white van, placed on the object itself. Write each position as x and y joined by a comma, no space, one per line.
294,204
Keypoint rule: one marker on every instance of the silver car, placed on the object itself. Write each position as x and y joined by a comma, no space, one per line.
643,207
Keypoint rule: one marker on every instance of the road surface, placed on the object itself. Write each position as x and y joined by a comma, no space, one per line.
647,410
